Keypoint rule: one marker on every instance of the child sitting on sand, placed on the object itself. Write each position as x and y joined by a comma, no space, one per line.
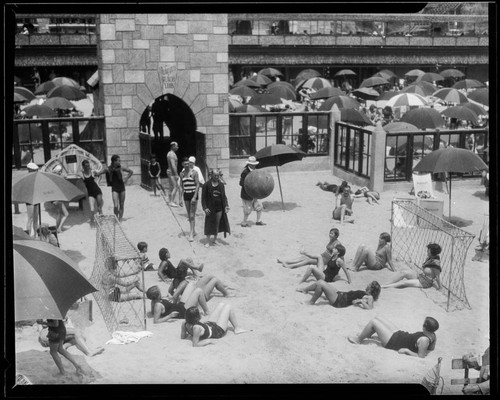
167,271
370,195
143,251
379,259
345,207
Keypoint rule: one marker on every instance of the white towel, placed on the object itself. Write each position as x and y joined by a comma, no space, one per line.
123,337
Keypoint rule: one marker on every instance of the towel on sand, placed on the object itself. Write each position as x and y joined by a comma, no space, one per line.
122,337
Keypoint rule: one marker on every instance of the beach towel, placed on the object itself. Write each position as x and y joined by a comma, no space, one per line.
123,337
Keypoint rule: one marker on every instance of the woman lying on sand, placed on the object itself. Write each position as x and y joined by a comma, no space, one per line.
167,271
214,328
412,344
164,310
431,269
370,195
330,273
207,284
361,298
307,260
379,259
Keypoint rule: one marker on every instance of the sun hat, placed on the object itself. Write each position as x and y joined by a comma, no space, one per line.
252,160
57,168
192,159
32,166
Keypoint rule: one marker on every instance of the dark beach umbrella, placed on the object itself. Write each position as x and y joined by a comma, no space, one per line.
62,80
306,74
262,99
249,108
354,117
468,84
346,72
461,113
283,92
373,81
20,234
366,93
400,127
270,72
59,103
423,88
41,111
19,98
281,83
452,73
45,87
29,133
28,94
341,102
247,82
46,281
424,118
67,92
384,75
450,160
476,108
243,91
277,155
430,77
481,96
450,95
326,92
261,80
415,73
315,83
234,104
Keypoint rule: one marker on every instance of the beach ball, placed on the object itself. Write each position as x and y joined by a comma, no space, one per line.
259,184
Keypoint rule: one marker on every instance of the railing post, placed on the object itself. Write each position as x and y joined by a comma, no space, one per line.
377,160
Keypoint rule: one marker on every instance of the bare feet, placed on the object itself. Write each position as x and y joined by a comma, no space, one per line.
353,340
239,330
301,290
98,351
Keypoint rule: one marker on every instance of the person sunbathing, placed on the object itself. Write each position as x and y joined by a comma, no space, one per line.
360,298
204,333
207,284
164,310
371,195
306,260
167,271
431,269
375,261
417,344
119,284
330,273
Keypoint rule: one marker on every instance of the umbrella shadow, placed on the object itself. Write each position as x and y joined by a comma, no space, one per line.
75,255
481,194
278,206
39,368
459,222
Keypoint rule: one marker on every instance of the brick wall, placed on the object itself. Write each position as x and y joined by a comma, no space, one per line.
132,48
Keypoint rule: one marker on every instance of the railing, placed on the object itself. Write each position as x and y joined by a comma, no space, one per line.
352,149
249,132
38,140
399,166
56,39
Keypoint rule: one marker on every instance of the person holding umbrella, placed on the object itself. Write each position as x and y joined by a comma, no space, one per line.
249,203
32,209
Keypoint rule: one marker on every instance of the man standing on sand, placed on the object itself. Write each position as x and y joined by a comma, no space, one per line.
173,174
249,204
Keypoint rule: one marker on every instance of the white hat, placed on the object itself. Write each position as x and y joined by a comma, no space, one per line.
192,159
32,166
252,160
57,168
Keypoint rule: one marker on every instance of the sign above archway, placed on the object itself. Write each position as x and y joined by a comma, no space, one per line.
168,76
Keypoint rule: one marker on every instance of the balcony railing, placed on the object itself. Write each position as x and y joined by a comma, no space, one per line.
56,39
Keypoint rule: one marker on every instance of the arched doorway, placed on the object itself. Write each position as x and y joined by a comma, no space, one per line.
169,119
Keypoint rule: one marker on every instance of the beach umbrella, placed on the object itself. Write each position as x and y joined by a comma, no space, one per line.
451,160
450,95
277,155
59,103
476,108
341,101
249,108
407,99
388,72
40,110
20,234
468,84
315,83
430,77
415,73
233,104
354,117
452,73
422,88
461,113
481,95
20,98
29,133
400,127
45,87
279,84
62,80
346,72
373,81
388,95
327,92
306,74
261,80
17,80
424,118
366,93
384,75
243,91
283,92
46,281
270,72
247,82
26,93
262,99
67,92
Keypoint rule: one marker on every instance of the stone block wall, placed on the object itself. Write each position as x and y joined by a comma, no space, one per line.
131,50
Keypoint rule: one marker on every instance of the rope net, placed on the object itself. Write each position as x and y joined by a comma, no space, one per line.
118,276
412,229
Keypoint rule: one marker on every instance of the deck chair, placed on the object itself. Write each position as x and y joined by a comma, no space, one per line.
422,186
459,363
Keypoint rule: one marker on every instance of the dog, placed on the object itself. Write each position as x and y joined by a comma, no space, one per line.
328,187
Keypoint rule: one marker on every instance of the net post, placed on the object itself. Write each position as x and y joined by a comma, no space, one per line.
144,298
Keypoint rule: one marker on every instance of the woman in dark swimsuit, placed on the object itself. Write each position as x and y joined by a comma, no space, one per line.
94,191
379,259
416,344
431,269
215,327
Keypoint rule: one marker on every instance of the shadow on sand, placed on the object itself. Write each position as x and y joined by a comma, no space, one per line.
459,222
278,206
481,195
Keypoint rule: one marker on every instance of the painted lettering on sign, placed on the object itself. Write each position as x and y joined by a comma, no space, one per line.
168,76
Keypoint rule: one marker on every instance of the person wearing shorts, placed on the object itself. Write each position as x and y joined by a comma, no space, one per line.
249,204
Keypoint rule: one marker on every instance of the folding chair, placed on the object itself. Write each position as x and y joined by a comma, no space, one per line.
424,194
459,363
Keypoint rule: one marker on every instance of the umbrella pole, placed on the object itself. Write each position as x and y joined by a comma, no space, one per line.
39,219
449,200
282,202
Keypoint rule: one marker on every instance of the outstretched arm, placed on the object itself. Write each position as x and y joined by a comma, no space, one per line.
346,272
365,303
197,332
157,312
389,259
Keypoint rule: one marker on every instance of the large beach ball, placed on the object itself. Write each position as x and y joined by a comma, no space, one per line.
259,184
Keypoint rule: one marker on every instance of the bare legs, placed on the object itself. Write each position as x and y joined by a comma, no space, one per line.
382,327
80,343
174,189
363,256
62,215
297,262
403,279
224,314
118,204
218,216
341,212
58,348
316,271
321,287
191,211
33,214
197,298
95,207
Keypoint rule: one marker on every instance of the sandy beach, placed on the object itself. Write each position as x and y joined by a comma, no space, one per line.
290,341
